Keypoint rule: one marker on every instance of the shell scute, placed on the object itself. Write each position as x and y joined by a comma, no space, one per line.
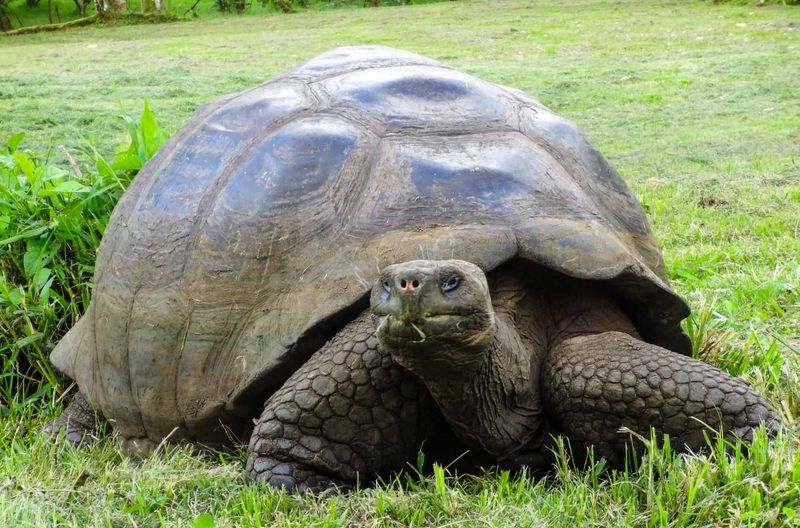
342,60
259,106
420,98
491,169
296,164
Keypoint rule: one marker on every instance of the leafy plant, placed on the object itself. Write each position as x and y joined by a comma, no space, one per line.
146,138
204,520
52,217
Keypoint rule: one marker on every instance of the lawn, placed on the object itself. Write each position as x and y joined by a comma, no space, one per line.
696,104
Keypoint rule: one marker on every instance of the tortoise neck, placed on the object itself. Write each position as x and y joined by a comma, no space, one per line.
493,404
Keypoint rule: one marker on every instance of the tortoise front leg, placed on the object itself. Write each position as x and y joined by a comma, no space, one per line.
79,422
596,384
348,414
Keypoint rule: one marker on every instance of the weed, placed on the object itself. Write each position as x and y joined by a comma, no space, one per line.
52,217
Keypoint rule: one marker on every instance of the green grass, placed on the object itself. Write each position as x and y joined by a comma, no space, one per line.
62,486
697,106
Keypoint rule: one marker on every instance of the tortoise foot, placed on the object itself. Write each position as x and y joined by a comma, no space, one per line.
291,476
78,421
599,384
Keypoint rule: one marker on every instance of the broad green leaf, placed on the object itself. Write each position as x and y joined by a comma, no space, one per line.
48,172
148,128
28,233
15,296
134,150
152,136
204,520
44,293
32,260
67,187
103,167
9,182
5,220
25,164
13,142
39,252
127,162
145,139
41,277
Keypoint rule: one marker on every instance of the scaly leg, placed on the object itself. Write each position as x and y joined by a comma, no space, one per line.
349,413
78,420
594,385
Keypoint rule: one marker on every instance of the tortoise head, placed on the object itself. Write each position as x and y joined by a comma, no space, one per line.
433,312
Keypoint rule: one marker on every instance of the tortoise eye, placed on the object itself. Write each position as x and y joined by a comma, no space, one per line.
451,283
386,285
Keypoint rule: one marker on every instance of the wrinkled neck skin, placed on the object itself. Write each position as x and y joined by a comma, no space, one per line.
486,390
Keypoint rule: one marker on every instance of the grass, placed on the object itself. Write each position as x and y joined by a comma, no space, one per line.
696,105
63,486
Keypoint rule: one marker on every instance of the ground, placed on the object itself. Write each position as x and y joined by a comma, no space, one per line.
697,106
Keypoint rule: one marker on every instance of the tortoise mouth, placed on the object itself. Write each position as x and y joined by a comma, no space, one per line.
396,329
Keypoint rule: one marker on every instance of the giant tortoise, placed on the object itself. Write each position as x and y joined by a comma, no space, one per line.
373,247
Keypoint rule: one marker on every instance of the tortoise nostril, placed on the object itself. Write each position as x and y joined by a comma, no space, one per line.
409,283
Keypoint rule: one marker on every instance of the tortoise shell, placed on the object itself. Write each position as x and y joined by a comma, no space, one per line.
257,231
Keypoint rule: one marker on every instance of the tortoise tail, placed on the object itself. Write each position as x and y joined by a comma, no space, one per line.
72,355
